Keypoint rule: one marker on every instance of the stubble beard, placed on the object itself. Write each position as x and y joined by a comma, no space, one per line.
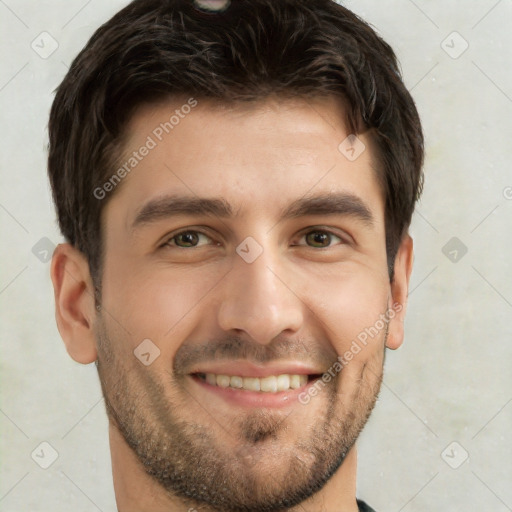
190,460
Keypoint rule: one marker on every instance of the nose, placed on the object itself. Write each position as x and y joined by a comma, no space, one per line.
257,299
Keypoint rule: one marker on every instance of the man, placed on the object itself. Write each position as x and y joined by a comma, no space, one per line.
235,183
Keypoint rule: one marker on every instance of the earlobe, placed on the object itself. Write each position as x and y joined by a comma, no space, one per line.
399,293
74,302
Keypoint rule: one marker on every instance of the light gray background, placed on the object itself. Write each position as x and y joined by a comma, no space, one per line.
450,382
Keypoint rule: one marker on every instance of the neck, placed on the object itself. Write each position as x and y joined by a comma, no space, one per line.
136,491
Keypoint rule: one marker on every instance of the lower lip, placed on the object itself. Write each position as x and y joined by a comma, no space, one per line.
244,398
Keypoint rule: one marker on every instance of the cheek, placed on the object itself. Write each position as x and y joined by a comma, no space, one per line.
352,307
159,305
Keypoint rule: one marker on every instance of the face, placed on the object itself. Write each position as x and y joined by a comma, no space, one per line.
249,252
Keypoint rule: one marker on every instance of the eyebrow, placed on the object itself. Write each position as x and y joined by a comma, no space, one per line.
344,204
330,204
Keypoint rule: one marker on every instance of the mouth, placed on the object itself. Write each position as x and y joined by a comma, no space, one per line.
243,383
269,384
250,391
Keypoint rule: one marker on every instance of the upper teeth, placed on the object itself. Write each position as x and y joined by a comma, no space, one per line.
270,384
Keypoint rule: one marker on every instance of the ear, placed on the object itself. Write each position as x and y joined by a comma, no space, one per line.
399,292
74,302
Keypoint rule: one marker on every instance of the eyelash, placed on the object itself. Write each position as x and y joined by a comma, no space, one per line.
324,231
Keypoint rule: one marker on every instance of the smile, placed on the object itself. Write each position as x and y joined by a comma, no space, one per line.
269,384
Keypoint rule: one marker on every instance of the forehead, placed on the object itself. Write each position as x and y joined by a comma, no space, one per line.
258,156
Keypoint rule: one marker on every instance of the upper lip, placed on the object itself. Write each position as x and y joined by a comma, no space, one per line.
248,369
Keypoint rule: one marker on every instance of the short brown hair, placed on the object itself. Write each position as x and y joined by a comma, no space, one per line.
154,49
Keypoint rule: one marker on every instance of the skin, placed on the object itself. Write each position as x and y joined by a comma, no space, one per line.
297,303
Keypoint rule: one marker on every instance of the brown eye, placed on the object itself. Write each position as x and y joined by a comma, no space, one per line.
320,239
187,239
